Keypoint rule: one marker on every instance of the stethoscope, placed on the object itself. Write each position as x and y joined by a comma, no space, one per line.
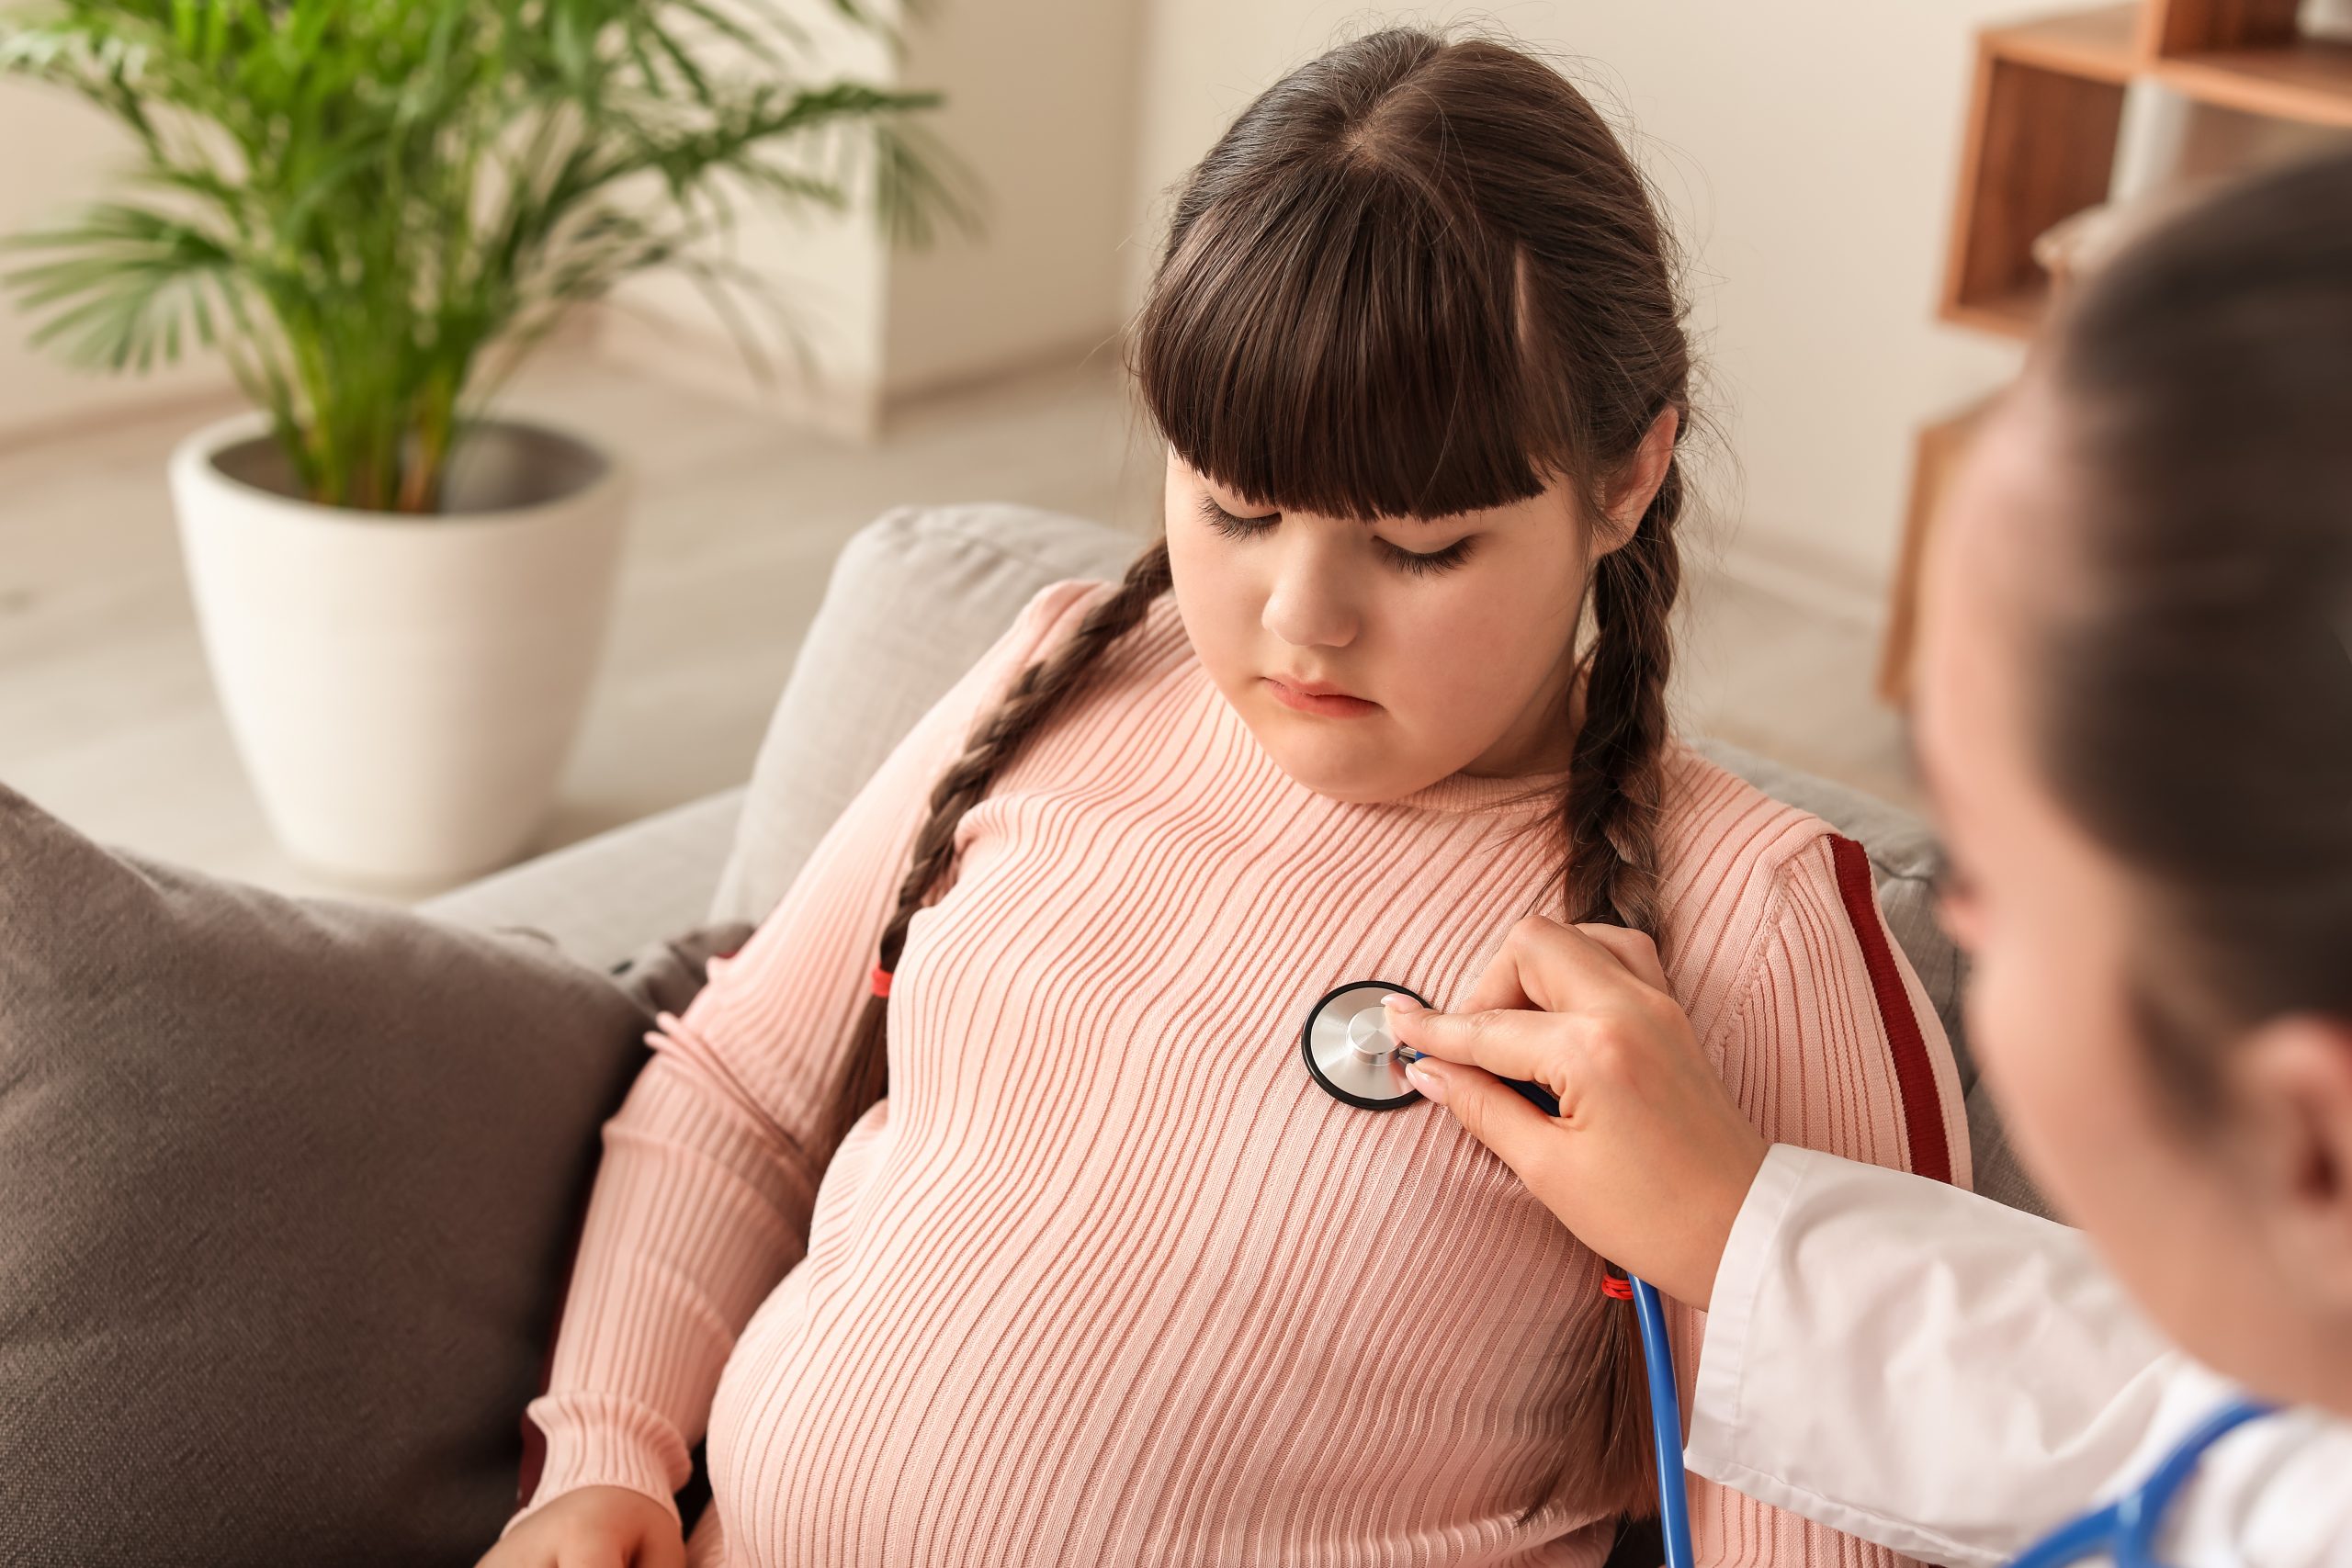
2126,1529
1350,1050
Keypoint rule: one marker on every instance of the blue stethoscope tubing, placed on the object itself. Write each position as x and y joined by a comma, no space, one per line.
2126,1529
1666,1424
1666,1398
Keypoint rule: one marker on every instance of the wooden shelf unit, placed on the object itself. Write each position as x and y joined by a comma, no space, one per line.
2045,116
2043,120
2308,80
2247,55
2048,104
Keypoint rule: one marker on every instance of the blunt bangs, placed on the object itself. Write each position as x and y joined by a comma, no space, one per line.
1337,330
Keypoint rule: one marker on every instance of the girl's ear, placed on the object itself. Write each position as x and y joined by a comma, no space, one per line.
1638,485
2294,1076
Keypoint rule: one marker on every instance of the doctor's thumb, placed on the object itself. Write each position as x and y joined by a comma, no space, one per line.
1489,1110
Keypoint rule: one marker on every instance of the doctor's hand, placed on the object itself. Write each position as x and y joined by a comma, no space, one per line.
1649,1159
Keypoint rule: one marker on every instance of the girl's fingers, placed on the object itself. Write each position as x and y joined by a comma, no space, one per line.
592,1555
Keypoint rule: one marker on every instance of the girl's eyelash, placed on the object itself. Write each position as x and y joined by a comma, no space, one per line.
1414,561
1232,527
1434,561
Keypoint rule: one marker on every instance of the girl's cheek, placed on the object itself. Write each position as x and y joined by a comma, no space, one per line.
1219,604
1482,648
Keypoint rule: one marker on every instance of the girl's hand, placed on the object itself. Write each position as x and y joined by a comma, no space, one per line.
1649,1159
596,1527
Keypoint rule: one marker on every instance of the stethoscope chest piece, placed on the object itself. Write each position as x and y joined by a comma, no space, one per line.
1350,1050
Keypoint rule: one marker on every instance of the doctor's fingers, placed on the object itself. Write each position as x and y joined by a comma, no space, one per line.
1630,947
1542,964
1500,1117
1511,1042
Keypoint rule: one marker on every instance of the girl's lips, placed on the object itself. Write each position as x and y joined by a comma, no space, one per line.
1329,707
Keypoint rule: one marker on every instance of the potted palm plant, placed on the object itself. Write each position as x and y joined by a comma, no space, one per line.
373,209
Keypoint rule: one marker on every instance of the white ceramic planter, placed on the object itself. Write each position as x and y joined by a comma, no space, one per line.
403,690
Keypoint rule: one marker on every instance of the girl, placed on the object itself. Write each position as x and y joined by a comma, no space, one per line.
2136,716
1106,1278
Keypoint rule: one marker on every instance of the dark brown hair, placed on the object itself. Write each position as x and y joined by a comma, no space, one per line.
1418,276
2195,712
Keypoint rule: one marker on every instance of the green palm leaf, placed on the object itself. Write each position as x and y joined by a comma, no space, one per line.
361,202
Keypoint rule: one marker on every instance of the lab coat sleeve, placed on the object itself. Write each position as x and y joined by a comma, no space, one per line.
1825,1046
1923,1367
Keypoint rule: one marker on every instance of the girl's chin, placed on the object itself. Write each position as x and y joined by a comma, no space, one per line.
1341,778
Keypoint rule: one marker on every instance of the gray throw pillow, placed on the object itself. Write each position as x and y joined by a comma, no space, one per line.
287,1188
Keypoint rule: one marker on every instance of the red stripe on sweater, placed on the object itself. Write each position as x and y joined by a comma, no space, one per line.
1915,1075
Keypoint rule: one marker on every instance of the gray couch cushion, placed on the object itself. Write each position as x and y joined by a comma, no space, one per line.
606,897
920,592
1903,859
289,1189
916,597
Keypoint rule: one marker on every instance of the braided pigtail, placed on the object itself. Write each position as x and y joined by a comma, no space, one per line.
1615,782
1610,814
996,739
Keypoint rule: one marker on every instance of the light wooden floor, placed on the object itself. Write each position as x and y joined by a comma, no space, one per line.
107,717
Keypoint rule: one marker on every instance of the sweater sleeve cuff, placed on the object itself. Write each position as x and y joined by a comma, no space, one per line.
597,1440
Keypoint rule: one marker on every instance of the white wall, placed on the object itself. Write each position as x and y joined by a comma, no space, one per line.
1042,99
1040,102
55,152
1808,150
829,271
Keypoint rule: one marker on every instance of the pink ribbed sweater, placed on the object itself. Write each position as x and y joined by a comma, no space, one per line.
1107,1279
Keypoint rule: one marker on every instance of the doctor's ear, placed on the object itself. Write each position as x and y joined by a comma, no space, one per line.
2290,1082
1638,483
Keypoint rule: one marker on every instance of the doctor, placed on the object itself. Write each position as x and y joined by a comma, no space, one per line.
2135,719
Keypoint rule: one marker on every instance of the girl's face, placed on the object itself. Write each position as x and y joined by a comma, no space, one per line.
2202,1224
1453,639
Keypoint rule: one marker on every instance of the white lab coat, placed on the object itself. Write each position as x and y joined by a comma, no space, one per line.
1926,1368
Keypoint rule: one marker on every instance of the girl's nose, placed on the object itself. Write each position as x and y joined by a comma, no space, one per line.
1311,600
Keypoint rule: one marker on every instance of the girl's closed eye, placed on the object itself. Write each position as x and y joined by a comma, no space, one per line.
1416,561
1234,527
